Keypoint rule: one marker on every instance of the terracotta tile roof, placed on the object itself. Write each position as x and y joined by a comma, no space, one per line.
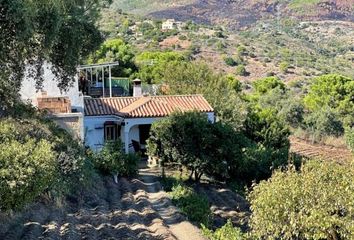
151,106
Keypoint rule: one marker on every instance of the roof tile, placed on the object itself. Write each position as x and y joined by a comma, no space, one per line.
151,106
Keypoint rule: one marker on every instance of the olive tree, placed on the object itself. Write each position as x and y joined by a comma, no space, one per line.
34,32
313,203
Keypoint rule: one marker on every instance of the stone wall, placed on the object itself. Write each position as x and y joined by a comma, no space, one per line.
71,122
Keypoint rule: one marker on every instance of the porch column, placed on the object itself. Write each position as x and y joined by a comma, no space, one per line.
126,142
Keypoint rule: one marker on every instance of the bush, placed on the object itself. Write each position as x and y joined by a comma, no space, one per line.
349,134
284,67
39,147
230,61
112,160
322,123
315,203
194,205
226,232
27,169
264,85
241,70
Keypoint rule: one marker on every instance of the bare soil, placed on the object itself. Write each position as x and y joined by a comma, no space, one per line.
320,151
132,209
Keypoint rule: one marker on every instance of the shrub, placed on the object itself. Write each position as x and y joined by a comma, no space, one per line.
230,61
65,155
194,205
284,67
314,203
112,160
349,134
241,70
323,122
264,85
226,232
26,170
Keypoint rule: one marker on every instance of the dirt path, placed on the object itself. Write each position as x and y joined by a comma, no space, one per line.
132,209
178,226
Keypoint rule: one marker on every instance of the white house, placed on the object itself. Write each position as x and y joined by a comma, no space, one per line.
171,24
96,119
130,118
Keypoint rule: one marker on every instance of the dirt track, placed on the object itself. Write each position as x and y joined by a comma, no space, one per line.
133,209
317,151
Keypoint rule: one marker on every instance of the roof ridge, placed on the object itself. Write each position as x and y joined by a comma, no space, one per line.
170,105
135,105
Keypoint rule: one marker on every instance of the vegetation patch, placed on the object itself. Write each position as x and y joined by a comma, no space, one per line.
195,206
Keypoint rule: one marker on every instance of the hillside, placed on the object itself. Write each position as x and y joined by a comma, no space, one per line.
239,13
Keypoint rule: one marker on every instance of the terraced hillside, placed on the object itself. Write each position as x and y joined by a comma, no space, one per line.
132,209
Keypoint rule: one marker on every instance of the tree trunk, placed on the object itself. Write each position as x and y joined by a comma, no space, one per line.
191,175
197,176
115,177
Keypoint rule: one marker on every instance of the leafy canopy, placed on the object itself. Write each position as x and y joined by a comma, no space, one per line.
33,32
153,64
315,203
116,50
334,91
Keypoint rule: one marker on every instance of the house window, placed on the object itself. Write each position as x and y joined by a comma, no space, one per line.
144,131
111,131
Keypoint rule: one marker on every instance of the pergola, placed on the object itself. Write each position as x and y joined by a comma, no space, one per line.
89,69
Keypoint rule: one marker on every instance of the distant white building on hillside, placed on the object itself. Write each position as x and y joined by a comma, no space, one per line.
171,24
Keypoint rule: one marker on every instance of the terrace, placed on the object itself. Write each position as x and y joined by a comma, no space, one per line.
96,81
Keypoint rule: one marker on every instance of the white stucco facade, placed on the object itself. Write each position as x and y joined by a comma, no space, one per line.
30,93
94,129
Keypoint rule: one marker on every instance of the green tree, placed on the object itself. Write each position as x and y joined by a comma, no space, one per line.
223,92
61,32
152,65
182,139
323,122
264,85
314,203
26,170
333,91
116,50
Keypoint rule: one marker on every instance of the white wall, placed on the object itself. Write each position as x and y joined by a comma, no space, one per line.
211,116
29,92
94,130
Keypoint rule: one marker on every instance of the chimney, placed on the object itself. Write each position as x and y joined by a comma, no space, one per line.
137,92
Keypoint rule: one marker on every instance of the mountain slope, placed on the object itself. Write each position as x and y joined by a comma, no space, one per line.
240,13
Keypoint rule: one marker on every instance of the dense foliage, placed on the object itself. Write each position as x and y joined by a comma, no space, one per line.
226,232
314,203
190,140
37,156
33,32
111,159
194,205
26,170
116,50
153,64
333,91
